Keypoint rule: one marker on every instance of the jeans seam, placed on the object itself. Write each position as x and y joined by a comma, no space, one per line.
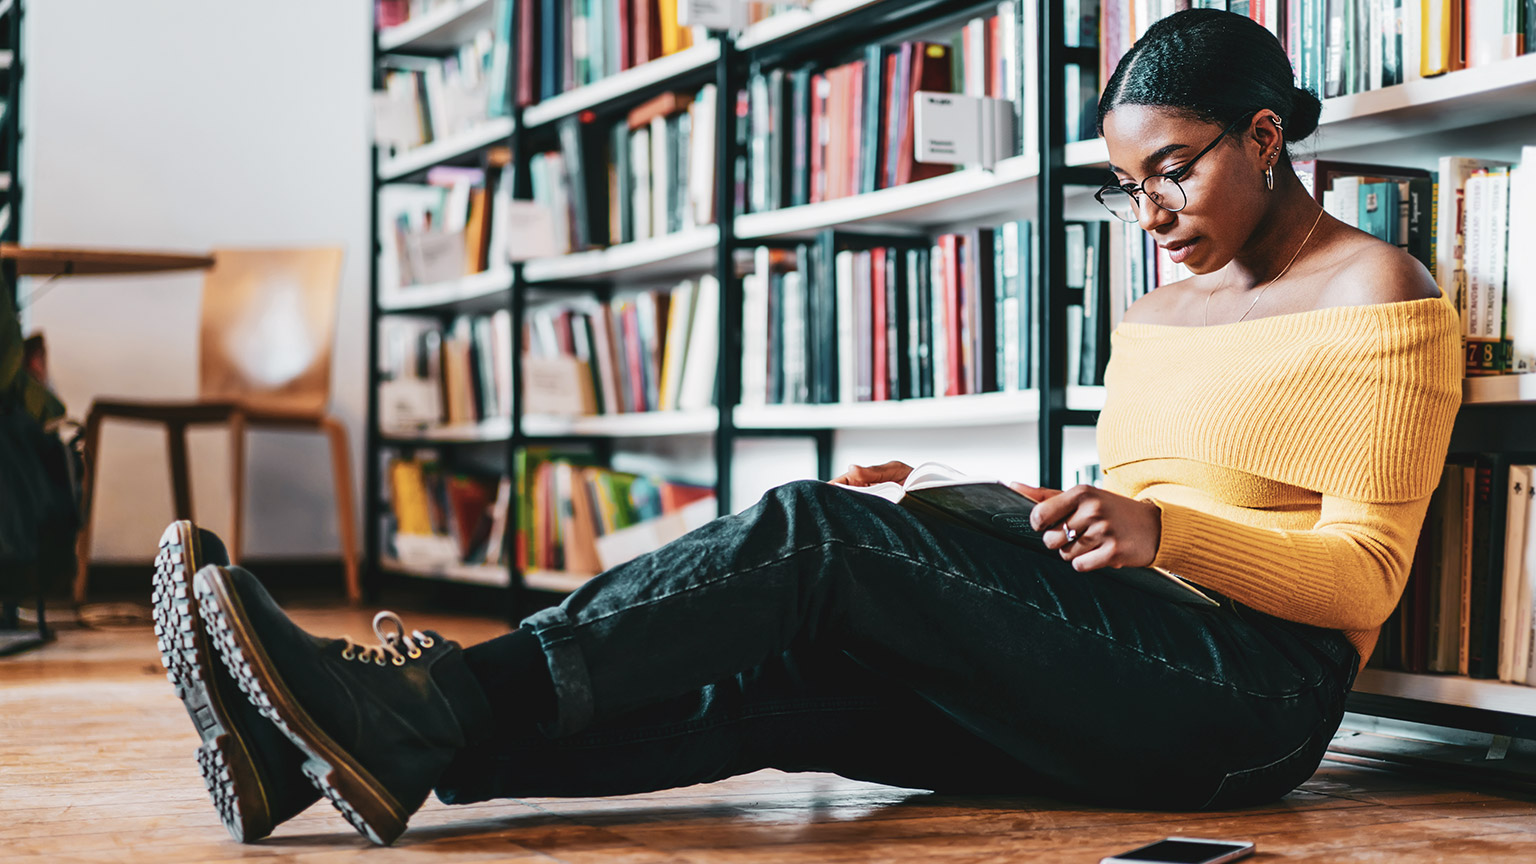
672,730
1163,662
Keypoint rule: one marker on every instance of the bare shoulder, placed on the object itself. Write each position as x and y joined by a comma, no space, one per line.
1375,272
1167,305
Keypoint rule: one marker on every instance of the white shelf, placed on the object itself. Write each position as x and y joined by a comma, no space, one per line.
554,580
494,575
1086,398
684,253
1449,690
1006,191
494,429
796,21
636,425
1456,100
474,287
1493,389
491,132
982,409
448,25
628,81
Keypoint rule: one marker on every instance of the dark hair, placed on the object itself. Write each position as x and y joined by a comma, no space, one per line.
1215,66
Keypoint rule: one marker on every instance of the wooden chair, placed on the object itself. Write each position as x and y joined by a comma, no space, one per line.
268,324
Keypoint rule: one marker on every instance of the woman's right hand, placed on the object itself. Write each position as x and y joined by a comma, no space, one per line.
869,475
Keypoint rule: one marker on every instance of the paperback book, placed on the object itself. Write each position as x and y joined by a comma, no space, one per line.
935,491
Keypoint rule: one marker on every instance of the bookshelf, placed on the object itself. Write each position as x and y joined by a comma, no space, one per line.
1050,183
12,13
445,27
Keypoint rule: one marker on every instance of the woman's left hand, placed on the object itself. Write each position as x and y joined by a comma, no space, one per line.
1094,527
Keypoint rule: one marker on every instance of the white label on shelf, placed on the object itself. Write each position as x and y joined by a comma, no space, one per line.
952,129
713,14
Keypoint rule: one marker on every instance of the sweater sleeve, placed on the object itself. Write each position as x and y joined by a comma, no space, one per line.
1346,573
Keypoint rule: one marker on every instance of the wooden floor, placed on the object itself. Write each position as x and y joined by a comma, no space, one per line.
95,766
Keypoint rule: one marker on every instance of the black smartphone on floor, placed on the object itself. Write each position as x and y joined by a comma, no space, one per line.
1184,850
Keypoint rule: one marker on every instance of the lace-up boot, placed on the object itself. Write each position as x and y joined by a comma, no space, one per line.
252,771
378,724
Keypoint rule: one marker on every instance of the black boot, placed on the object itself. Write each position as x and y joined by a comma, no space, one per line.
380,724
253,772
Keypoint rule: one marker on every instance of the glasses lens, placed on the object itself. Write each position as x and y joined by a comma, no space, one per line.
1119,202
1166,193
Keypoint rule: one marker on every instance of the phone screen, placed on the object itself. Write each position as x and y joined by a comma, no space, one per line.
1180,852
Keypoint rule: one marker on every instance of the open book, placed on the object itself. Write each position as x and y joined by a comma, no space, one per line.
935,491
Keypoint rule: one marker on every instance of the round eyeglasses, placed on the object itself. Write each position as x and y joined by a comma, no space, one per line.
1123,200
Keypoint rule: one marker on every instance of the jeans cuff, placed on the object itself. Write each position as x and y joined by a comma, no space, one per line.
567,668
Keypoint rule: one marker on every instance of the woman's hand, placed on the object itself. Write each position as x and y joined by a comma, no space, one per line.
1094,527
869,475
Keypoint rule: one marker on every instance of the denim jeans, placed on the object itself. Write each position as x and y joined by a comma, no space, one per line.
828,630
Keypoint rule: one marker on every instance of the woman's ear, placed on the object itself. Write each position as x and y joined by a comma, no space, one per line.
1267,132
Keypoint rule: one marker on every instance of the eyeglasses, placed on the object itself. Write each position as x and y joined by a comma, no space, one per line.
1123,200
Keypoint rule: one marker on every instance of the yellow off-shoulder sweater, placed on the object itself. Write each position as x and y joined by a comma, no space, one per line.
1293,456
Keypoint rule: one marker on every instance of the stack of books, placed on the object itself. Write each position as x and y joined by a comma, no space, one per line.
443,517
432,375
427,99
650,174
651,350
1467,608
577,517
452,226
566,44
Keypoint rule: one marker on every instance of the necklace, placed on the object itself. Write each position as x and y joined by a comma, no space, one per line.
1277,278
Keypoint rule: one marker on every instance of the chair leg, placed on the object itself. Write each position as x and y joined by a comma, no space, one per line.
181,481
93,423
237,430
341,468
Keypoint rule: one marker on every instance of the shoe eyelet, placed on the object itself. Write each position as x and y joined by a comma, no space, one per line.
398,660
427,642
378,661
414,653
347,654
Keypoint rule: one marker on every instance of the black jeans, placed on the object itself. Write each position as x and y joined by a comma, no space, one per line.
828,630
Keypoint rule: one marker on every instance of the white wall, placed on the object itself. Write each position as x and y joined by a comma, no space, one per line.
185,124
188,124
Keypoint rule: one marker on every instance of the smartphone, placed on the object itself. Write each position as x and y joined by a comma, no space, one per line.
1184,850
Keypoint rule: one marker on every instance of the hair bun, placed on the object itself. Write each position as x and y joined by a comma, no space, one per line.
1305,110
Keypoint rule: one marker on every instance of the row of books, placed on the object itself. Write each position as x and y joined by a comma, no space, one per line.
1463,222
1467,606
441,516
432,374
565,44
577,517
650,174
653,350
815,133
1340,47
427,99
457,223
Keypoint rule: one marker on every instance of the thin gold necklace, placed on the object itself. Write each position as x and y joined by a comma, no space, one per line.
1277,278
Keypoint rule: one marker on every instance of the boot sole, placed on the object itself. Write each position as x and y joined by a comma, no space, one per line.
223,758
358,796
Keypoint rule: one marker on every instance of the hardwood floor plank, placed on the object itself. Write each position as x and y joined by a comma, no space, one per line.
96,767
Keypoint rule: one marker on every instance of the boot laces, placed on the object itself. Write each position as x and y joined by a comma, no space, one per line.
390,643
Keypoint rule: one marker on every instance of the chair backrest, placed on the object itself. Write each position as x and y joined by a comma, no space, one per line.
268,324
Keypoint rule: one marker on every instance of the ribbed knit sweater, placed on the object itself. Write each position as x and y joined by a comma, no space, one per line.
1292,457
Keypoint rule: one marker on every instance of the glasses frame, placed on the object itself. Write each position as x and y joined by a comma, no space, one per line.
1135,190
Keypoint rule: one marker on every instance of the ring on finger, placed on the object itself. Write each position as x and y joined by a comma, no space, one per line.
1071,534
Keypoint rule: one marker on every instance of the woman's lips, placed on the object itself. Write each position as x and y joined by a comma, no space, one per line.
1177,252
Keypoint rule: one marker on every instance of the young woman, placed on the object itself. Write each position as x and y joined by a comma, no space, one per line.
1273,429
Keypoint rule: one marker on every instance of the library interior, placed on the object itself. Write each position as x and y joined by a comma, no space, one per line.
480,330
